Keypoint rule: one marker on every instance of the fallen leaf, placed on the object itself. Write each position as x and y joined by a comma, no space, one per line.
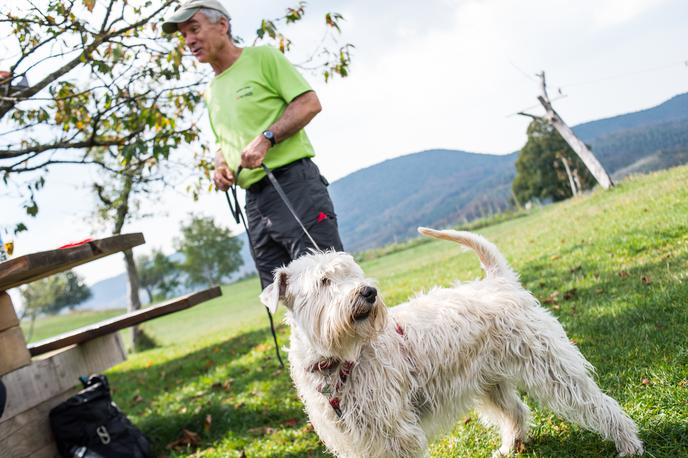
555,257
573,341
645,381
467,420
520,446
624,274
222,386
683,383
261,431
137,399
263,347
207,423
291,422
570,294
646,279
186,439
552,298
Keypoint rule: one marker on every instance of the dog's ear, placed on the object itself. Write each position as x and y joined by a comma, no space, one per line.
274,292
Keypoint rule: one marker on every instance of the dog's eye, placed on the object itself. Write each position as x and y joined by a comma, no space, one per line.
325,281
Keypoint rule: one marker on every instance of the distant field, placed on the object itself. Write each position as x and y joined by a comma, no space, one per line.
53,325
613,266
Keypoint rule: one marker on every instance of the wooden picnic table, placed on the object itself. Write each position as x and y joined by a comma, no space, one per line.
36,385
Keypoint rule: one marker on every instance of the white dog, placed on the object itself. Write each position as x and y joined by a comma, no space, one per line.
379,382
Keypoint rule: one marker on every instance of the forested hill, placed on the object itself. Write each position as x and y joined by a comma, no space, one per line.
385,202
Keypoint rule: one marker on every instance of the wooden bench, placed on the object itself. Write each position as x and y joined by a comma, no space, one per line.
36,385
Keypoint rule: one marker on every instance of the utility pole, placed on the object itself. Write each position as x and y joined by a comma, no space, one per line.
574,142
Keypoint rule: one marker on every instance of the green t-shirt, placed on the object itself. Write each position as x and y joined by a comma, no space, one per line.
249,97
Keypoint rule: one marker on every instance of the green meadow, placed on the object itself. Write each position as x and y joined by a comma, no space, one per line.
611,265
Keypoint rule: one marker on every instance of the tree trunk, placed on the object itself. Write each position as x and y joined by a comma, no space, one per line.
574,190
149,291
580,148
133,293
31,326
132,273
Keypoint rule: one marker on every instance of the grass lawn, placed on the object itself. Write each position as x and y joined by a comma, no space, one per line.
612,266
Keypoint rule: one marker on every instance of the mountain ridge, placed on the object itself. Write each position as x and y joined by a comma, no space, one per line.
384,202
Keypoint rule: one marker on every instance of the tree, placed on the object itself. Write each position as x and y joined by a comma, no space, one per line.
541,167
210,252
157,274
53,294
94,83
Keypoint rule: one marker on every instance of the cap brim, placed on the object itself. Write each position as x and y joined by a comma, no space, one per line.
171,23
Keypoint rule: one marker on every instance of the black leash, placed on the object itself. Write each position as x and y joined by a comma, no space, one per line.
284,198
239,217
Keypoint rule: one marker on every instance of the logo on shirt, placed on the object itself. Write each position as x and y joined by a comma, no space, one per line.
244,92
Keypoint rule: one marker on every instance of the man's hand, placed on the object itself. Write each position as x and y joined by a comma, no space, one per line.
252,156
223,177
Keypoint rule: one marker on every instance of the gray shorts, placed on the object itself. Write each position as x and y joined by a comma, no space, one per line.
276,236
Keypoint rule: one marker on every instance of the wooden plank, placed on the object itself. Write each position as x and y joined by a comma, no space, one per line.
28,434
49,376
13,351
8,316
32,267
118,323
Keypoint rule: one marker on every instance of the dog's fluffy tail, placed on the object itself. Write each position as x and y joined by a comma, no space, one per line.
493,262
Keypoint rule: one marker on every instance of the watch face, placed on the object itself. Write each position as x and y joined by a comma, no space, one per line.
270,136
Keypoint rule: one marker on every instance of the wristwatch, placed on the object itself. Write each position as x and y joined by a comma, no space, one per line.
270,136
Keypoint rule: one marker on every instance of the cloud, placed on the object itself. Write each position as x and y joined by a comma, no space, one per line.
616,12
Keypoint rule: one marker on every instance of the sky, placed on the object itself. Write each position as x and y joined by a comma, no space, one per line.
433,74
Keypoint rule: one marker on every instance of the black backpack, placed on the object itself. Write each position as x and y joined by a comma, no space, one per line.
90,425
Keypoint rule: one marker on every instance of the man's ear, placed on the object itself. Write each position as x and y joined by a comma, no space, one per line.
275,291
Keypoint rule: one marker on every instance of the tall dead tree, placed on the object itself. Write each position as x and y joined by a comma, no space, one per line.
574,142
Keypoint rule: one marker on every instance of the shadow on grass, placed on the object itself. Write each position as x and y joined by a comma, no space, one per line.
233,392
631,324
626,328
668,441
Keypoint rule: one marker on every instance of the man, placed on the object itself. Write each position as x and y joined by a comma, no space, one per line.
258,105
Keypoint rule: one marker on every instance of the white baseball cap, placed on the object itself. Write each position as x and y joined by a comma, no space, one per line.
187,9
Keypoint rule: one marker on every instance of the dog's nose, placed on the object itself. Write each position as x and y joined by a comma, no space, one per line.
369,293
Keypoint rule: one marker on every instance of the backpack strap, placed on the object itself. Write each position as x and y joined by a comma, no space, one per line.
3,397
